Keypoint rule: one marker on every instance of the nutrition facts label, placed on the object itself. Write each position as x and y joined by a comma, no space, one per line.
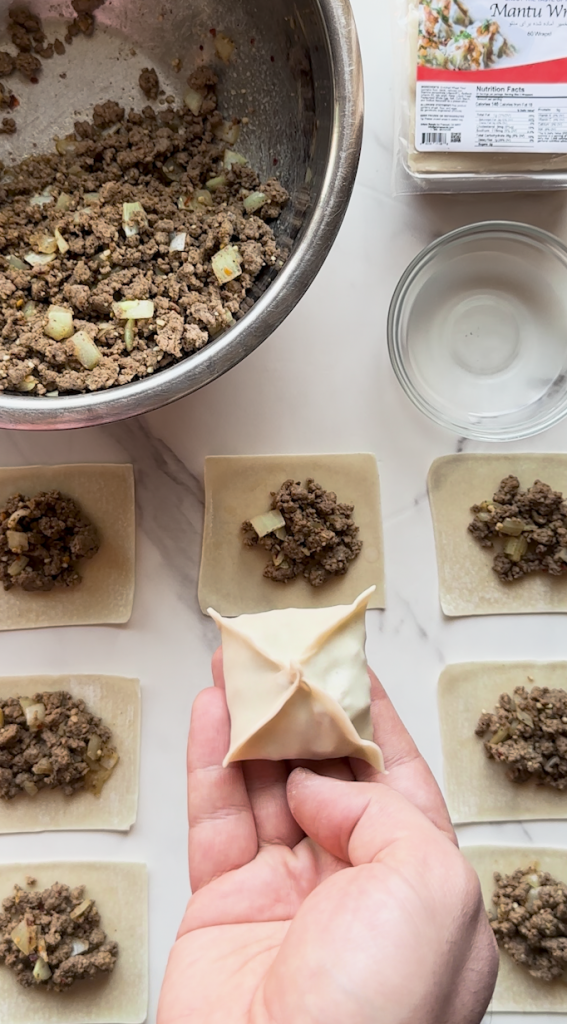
468,118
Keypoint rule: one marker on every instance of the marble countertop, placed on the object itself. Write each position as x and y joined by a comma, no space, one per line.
168,643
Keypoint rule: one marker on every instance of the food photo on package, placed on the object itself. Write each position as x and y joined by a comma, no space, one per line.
482,96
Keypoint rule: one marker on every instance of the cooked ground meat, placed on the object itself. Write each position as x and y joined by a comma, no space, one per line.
161,161
8,126
26,29
527,732
149,83
42,539
52,741
27,35
7,63
28,64
321,538
531,524
530,921
54,938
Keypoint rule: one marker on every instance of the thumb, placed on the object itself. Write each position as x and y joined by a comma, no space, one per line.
354,821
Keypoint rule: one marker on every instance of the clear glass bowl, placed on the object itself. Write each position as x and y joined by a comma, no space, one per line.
477,331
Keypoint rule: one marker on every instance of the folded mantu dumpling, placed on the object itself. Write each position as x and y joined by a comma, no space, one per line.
297,684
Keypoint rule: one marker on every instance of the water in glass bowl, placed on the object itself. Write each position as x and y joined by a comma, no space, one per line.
482,334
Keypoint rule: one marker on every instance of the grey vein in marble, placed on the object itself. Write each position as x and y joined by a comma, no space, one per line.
170,507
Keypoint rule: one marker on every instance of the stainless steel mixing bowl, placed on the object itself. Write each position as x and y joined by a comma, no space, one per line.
296,74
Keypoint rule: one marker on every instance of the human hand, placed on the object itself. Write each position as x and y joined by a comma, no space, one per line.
325,898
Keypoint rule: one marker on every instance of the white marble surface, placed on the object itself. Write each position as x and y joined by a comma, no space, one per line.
336,336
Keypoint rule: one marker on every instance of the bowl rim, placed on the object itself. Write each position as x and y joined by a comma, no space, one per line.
526,232
280,298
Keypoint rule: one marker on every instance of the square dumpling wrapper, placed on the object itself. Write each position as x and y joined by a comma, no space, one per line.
105,493
114,699
467,583
120,891
476,787
516,991
238,487
297,684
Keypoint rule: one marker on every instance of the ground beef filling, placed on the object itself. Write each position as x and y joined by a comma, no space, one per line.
54,938
42,539
529,921
530,525
52,741
527,732
317,539
153,209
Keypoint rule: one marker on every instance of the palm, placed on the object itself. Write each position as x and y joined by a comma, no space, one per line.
240,922
277,929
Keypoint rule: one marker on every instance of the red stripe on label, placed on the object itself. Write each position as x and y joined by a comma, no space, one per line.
545,73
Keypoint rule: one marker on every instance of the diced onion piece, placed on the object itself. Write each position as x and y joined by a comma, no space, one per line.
42,199
226,320
85,350
232,157
227,132
533,880
109,760
30,788
59,323
79,946
25,702
15,263
62,245
43,767
35,717
129,334
17,515
133,309
52,394
67,145
199,200
64,201
27,384
111,129
281,534
172,170
44,243
94,748
41,971
177,242
214,183
133,214
17,541
562,554
255,201
30,309
224,46
39,259
18,566
96,779
516,548
80,910
227,264
24,936
90,198
511,527
267,522
1,719
193,99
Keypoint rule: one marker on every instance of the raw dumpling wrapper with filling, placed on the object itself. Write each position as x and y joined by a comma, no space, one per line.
297,684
